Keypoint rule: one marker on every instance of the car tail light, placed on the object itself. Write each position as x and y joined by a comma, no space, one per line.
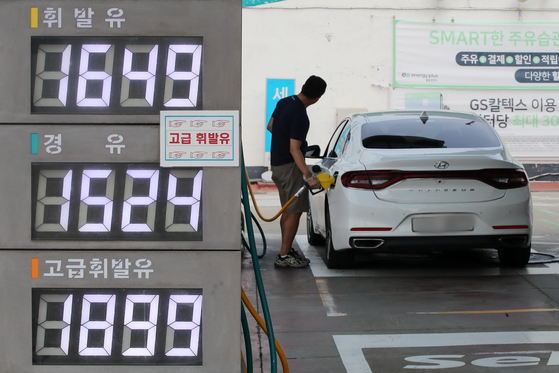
508,178
370,179
357,179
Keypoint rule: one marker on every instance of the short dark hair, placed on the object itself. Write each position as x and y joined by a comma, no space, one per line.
314,87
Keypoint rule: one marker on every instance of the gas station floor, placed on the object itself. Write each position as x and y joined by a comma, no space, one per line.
331,320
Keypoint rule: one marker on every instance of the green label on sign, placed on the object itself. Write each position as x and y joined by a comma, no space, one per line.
34,143
258,2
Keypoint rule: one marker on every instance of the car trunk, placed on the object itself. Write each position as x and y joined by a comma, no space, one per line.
437,175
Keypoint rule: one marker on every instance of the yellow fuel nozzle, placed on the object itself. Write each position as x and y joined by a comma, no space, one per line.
325,180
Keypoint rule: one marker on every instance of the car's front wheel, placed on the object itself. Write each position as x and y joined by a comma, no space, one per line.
312,237
336,259
514,256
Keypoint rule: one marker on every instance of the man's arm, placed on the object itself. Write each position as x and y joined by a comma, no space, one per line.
270,124
295,150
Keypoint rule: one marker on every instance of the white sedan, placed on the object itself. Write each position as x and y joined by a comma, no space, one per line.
412,179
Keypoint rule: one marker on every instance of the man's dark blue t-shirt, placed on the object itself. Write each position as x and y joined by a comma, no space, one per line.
290,122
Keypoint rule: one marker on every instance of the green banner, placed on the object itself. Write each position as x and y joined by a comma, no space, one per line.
516,55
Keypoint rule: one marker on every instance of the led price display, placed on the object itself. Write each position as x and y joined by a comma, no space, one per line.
117,326
116,201
115,75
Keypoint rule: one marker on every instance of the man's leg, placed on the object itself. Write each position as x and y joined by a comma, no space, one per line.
289,224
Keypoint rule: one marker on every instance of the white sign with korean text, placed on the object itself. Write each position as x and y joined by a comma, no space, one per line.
84,17
199,138
96,268
518,55
527,120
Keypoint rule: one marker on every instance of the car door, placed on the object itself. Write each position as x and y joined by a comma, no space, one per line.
335,148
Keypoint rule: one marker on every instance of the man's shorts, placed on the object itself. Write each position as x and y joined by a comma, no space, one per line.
289,179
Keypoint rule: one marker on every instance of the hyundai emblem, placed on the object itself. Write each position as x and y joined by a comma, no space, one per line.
441,165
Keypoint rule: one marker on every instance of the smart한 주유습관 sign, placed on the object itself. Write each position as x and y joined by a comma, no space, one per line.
476,55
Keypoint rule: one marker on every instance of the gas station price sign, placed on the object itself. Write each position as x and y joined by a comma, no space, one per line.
119,201
120,61
110,259
120,326
98,311
115,75
81,191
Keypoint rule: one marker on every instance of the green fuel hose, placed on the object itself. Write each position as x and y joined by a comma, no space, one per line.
264,243
256,265
246,332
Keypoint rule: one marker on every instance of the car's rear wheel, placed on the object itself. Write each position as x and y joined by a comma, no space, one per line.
514,256
336,259
312,237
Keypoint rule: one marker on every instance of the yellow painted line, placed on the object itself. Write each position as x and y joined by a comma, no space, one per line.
327,299
487,312
34,17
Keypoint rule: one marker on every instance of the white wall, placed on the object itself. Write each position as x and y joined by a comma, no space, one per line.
349,43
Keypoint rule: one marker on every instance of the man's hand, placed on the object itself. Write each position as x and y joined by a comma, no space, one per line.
295,150
314,183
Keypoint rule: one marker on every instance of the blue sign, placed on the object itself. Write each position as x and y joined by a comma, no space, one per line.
275,91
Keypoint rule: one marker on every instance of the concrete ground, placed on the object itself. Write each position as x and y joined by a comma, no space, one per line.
396,313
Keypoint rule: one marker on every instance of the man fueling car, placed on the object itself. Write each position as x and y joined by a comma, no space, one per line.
289,126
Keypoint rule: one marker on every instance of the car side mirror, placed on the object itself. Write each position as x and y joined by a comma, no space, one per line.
313,151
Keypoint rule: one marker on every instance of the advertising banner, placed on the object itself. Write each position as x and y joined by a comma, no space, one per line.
527,121
516,55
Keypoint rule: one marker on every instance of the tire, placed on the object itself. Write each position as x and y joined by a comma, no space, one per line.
336,259
514,256
312,237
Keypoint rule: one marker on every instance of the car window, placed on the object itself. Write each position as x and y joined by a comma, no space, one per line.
437,132
331,148
342,142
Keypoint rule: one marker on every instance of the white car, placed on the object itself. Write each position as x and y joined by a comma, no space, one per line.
420,179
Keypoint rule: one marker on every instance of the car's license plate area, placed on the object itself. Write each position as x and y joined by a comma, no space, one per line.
443,223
